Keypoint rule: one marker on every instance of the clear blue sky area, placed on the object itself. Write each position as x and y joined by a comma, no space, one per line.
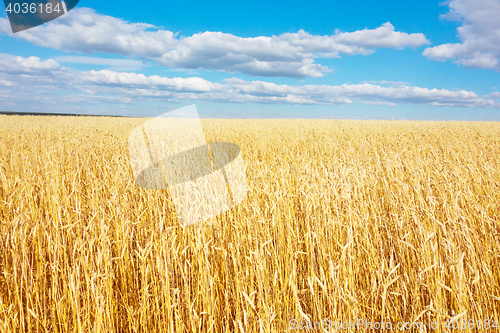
259,59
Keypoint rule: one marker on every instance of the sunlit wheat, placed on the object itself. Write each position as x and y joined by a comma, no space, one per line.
378,220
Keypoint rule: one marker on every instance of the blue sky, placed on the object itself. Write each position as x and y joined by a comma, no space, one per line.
349,59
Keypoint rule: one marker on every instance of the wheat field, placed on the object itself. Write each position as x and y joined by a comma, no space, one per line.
381,221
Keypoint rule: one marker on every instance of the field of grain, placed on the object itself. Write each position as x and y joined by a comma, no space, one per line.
393,221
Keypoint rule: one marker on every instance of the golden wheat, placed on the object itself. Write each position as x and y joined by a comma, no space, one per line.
375,220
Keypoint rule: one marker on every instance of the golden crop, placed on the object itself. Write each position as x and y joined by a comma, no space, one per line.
375,220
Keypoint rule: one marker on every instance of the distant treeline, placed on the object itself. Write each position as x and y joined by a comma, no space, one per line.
13,113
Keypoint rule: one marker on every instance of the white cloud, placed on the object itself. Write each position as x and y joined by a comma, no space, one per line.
358,42
47,77
479,33
29,75
325,94
6,83
29,66
154,82
85,31
289,54
5,26
266,56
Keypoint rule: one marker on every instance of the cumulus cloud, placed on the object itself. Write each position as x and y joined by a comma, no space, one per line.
31,74
479,33
6,83
5,26
154,82
29,66
359,42
83,30
288,55
374,94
